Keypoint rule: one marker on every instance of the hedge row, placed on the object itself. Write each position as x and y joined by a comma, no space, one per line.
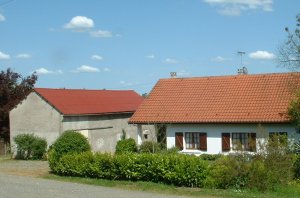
175,169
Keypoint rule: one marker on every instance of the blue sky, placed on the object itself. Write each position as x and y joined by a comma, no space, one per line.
118,44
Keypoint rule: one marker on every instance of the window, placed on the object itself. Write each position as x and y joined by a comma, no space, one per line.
195,140
145,136
244,141
192,140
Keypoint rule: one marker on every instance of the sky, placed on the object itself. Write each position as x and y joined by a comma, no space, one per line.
131,44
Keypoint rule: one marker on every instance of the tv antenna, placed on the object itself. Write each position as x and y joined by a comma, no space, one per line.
241,54
243,69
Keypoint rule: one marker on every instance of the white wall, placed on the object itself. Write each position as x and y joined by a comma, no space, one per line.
214,132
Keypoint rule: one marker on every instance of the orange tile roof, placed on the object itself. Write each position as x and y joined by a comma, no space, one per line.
260,98
80,101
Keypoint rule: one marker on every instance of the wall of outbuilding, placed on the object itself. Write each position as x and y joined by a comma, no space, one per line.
103,131
35,115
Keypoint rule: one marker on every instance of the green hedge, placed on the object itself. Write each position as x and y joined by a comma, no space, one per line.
175,169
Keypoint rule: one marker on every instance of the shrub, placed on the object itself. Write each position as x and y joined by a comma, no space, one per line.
126,146
68,142
229,172
176,169
210,157
150,147
30,146
297,167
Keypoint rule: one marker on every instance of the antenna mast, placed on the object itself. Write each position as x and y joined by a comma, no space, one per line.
243,69
241,54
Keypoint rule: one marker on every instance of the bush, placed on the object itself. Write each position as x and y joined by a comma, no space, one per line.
126,146
210,157
30,146
68,142
150,147
179,170
297,167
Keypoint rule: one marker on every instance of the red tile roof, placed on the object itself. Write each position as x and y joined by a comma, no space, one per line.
80,101
260,98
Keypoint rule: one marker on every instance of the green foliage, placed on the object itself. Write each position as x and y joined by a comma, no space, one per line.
150,147
176,169
271,167
30,146
297,167
210,157
68,142
126,146
294,110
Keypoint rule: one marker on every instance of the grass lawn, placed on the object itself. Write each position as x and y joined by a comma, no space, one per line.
293,190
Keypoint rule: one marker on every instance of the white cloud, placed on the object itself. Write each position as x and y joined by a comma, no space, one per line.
87,69
170,61
43,71
150,56
23,56
106,69
235,7
218,59
2,18
80,23
262,55
96,57
183,73
101,34
125,84
4,56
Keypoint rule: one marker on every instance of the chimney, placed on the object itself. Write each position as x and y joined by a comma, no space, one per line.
173,74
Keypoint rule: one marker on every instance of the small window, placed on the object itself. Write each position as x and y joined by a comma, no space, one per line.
145,136
244,141
192,140
195,140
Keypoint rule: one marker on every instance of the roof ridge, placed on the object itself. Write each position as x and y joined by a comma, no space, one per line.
236,75
67,89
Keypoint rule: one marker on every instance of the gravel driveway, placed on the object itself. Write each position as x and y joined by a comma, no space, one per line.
18,180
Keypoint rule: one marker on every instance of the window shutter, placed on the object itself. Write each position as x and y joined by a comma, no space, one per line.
179,140
252,142
225,142
203,141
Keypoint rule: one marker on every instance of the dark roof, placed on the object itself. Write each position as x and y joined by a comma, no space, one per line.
80,101
260,98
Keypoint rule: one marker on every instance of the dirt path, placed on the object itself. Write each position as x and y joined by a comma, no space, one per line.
24,168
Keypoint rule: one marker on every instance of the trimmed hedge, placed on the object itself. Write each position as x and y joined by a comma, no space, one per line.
175,169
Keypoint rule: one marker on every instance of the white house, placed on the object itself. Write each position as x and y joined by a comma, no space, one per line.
216,114
101,115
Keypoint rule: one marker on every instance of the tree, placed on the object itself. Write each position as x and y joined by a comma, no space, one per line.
289,52
13,89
